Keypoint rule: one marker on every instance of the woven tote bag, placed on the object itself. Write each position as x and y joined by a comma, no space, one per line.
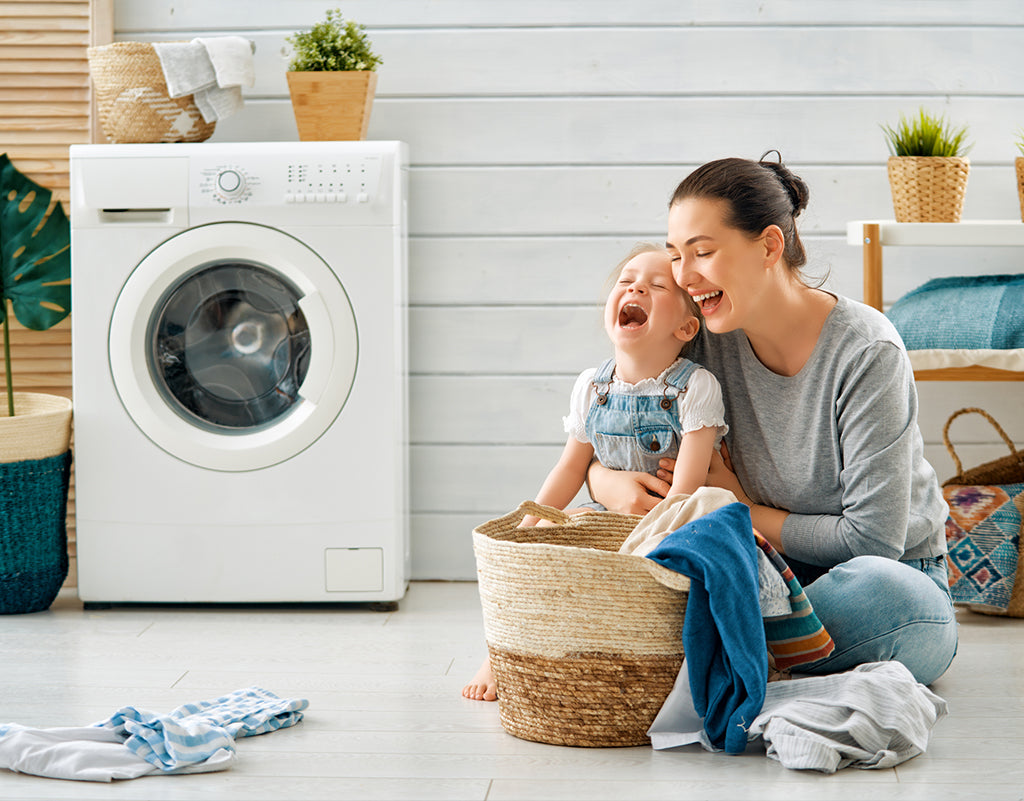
984,532
585,643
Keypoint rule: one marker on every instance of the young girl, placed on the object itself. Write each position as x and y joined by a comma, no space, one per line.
648,403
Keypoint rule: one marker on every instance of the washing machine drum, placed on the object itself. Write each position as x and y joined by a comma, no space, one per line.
233,346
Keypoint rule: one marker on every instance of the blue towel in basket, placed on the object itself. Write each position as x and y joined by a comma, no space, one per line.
967,312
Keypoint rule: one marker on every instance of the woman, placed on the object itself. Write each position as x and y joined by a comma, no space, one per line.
823,445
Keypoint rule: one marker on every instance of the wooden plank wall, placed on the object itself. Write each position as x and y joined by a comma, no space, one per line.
546,137
45,103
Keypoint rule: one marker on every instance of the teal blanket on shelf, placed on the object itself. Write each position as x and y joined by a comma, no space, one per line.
968,313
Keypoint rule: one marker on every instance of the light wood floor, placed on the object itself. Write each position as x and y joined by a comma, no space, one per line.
386,720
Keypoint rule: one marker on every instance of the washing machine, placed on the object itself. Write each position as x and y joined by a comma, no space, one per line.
239,372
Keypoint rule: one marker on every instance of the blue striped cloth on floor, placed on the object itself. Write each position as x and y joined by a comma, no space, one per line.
195,732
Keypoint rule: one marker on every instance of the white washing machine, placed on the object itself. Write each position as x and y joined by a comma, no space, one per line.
239,348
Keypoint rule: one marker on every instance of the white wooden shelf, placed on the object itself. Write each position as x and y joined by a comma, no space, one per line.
873,235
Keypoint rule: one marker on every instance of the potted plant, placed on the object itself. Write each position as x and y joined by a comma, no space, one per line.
927,168
332,79
1019,162
35,428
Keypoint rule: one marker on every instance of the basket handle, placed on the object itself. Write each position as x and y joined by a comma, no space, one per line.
987,416
543,512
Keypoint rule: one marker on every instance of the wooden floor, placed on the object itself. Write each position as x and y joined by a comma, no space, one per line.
386,720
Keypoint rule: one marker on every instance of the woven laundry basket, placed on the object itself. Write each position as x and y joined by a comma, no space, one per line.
928,188
35,469
585,643
132,99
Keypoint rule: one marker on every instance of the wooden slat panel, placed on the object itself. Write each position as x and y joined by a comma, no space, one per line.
43,10
58,94
45,106
68,125
9,36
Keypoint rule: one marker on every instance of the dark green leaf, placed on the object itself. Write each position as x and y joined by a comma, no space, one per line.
35,252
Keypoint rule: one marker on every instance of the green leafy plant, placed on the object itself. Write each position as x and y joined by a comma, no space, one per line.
331,46
35,259
1019,141
926,135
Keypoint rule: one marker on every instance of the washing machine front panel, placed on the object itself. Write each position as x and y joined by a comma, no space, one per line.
233,346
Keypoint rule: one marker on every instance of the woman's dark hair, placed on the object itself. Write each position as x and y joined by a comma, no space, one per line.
757,193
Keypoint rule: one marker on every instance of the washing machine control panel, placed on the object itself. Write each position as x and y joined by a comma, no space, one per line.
323,180
352,180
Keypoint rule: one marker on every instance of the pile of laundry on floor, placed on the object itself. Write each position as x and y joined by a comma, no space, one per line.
745,602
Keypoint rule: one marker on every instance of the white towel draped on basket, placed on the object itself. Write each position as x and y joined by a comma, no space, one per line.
212,70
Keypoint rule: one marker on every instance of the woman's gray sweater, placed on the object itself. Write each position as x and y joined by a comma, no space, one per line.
837,445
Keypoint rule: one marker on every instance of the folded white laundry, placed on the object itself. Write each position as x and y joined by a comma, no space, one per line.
231,57
211,69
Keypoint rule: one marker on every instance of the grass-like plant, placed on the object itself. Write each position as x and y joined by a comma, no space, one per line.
334,45
1019,141
926,135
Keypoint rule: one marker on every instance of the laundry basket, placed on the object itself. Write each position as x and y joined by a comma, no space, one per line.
585,643
132,98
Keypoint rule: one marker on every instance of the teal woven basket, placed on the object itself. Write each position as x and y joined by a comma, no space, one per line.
33,532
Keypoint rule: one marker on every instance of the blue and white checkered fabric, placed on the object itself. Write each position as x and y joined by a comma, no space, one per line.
194,733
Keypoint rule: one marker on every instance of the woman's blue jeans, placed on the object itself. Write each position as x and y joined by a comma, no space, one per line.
878,610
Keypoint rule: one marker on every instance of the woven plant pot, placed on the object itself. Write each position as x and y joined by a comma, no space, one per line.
928,188
35,467
585,643
132,99
1019,163
332,106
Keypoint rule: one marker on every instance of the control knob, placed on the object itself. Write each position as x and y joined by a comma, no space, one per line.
230,183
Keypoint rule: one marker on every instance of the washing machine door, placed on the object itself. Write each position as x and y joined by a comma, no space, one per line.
233,346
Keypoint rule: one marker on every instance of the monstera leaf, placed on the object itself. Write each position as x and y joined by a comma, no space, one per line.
35,257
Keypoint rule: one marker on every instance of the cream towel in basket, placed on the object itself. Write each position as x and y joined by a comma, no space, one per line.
212,70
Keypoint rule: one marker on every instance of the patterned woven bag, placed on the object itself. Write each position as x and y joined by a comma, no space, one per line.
984,529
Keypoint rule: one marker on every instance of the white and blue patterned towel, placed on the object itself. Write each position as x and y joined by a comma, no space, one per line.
193,733
194,738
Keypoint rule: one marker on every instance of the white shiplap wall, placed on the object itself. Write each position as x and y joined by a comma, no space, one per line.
546,138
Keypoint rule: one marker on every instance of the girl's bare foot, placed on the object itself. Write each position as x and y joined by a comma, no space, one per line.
482,687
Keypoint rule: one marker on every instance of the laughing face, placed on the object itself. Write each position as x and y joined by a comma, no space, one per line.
719,266
646,307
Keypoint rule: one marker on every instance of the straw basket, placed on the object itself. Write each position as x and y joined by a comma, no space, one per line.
1019,163
35,467
928,188
1005,470
132,99
585,643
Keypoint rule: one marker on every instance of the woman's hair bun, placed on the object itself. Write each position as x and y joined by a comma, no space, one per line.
798,192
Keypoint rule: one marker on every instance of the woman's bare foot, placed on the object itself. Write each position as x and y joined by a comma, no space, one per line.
482,687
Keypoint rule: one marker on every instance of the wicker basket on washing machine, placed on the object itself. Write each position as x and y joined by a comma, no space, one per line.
585,643
132,98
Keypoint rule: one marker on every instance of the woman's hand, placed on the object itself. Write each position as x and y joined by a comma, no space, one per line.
626,491
720,474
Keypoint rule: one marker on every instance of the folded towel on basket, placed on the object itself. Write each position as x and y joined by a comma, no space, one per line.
212,70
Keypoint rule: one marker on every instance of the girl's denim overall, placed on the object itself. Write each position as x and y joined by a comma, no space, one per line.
633,432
